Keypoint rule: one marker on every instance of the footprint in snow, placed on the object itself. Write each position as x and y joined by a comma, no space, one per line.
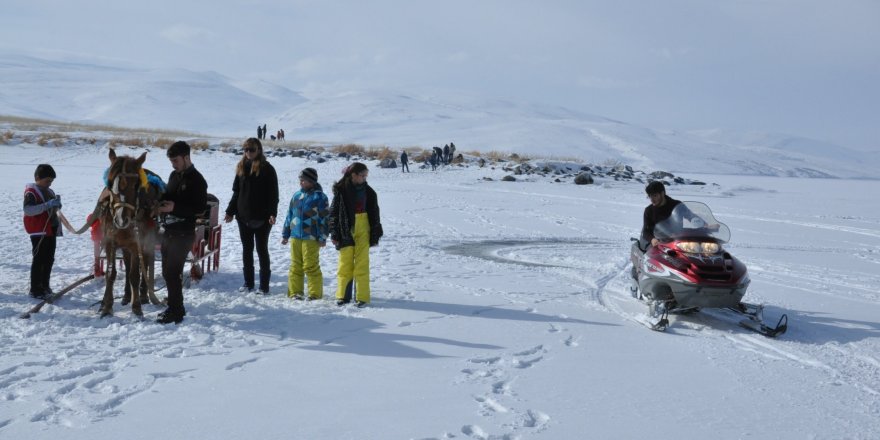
535,419
527,363
474,431
487,360
534,350
238,365
489,406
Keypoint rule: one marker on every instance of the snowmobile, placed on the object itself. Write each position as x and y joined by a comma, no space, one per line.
689,270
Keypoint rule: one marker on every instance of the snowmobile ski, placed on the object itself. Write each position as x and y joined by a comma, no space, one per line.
760,327
55,296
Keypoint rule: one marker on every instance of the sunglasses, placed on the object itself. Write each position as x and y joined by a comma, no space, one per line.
250,150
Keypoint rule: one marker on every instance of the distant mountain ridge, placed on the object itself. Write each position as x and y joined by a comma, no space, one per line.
211,103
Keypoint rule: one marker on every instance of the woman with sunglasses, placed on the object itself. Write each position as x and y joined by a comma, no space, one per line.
254,204
354,228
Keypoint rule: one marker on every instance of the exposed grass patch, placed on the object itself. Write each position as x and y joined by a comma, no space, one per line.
350,149
35,124
381,153
134,142
51,139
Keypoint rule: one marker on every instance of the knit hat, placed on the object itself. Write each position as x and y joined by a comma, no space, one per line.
309,174
43,171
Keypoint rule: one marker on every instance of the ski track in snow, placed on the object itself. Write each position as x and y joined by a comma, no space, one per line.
840,363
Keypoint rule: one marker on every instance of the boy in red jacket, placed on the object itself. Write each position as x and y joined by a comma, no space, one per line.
41,222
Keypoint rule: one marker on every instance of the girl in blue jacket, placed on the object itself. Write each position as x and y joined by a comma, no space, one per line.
306,223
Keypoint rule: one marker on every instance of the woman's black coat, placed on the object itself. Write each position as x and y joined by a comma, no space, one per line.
342,216
254,198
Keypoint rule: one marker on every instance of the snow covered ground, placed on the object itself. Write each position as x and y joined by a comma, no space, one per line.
500,311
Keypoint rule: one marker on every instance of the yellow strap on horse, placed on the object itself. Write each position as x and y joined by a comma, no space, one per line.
143,178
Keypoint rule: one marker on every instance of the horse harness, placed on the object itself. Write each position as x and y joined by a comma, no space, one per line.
118,202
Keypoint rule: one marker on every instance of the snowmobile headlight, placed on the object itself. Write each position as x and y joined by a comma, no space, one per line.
689,247
711,248
696,247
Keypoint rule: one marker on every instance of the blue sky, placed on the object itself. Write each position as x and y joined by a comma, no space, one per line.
804,67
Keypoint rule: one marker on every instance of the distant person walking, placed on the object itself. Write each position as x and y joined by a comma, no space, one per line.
306,224
254,204
404,162
41,222
354,227
259,132
446,154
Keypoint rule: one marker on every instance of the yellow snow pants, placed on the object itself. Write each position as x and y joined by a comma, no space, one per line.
304,262
354,262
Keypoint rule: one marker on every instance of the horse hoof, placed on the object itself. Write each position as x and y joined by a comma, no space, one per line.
106,314
125,302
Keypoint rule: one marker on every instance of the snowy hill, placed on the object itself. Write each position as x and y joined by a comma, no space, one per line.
210,103
180,99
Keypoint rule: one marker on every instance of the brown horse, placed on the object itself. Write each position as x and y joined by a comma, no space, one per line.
127,220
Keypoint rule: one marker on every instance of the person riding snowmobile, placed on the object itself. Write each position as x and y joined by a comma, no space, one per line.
660,209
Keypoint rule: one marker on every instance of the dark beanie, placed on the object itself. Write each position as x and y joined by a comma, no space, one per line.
179,148
43,171
309,174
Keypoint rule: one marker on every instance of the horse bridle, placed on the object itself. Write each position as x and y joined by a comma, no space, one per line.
119,204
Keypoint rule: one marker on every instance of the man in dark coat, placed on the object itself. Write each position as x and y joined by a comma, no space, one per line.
186,196
404,162
660,209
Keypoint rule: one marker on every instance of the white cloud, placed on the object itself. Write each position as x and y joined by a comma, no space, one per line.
458,58
595,82
671,54
186,35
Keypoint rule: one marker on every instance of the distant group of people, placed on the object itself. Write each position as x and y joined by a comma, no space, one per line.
261,133
441,156
351,221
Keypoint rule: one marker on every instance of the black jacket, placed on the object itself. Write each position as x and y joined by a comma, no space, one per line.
254,198
342,216
654,215
189,192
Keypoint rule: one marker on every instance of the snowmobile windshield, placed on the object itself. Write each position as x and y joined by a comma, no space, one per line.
692,221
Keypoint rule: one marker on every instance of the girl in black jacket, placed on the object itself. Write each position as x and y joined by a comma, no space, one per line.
354,228
254,204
